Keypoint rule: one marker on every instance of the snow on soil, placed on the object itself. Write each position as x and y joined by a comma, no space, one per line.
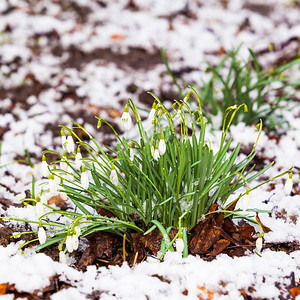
37,38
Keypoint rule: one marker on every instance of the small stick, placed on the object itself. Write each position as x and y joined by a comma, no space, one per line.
135,259
124,252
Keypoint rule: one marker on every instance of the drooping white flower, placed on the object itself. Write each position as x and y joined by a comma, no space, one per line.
177,119
63,140
288,186
78,157
75,241
69,243
45,170
42,235
156,153
62,257
259,243
126,119
84,179
114,176
162,145
152,114
39,209
70,146
179,244
63,163
245,201
52,185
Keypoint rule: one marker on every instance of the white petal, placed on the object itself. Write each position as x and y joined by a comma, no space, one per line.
42,235
69,243
75,241
156,154
77,230
52,187
151,114
179,245
44,199
162,146
70,144
45,170
114,177
39,209
63,142
78,161
63,196
245,201
62,257
288,186
84,180
126,119
259,243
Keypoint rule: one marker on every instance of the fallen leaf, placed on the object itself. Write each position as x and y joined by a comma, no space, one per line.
117,37
295,291
3,288
58,201
219,246
205,294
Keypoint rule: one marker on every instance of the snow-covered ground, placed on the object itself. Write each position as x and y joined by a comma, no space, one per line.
63,61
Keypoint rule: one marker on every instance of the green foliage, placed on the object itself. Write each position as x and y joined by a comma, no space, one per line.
235,81
168,178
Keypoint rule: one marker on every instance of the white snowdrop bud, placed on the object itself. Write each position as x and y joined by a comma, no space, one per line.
62,257
69,243
179,244
42,235
114,176
152,113
70,146
63,139
52,185
162,145
126,119
156,153
259,243
245,200
45,170
74,241
288,186
39,209
78,157
84,179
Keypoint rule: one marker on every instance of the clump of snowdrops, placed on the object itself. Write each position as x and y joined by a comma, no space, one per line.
168,178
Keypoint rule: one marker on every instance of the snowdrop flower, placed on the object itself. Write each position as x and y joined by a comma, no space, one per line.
259,243
288,184
52,185
39,209
62,257
162,145
63,164
179,244
78,157
42,235
114,176
69,243
99,124
156,153
84,179
245,200
45,170
177,118
126,119
152,113
70,146
63,139
43,199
